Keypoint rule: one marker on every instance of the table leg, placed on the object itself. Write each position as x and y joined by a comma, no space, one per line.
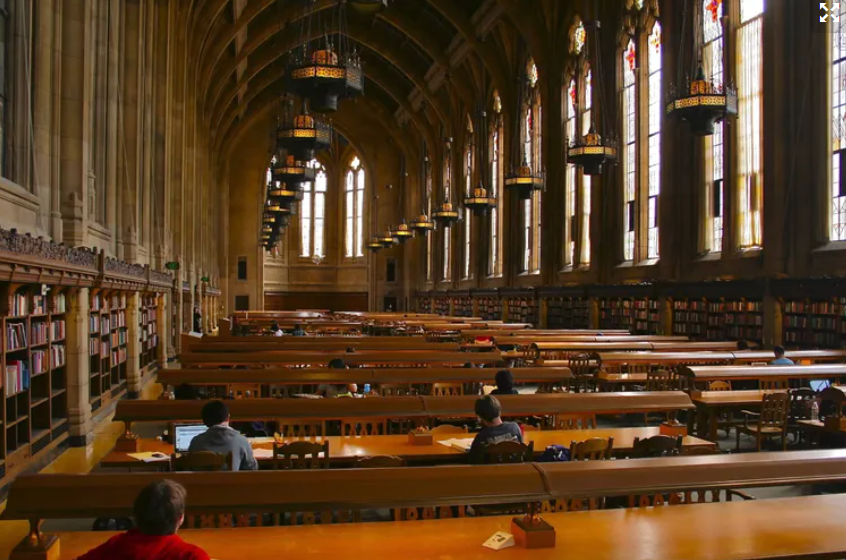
691,420
712,424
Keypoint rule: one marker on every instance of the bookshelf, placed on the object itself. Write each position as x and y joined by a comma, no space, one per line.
462,306
812,323
424,304
108,332
637,315
148,334
690,318
440,306
34,362
736,319
522,310
490,308
567,313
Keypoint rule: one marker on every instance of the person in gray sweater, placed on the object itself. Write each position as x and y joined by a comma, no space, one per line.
220,438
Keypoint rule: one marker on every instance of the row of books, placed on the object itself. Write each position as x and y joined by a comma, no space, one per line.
19,305
59,303
118,338
119,319
118,356
39,332
58,356
39,305
96,347
39,362
58,330
152,342
16,337
17,377
93,324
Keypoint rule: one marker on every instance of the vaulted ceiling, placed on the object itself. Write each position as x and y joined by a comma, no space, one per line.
410,51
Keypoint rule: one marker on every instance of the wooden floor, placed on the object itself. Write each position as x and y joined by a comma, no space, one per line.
76,460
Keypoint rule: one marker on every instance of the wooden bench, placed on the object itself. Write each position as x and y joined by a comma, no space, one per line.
34,498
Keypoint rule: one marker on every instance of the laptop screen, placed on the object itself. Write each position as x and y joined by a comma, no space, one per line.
183,434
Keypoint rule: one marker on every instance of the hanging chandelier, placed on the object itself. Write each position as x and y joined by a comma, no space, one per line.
702,102
445,215
402,232
320,71
292,171
374,245
479,201
302,135
280,193
592,151
524,181
422,224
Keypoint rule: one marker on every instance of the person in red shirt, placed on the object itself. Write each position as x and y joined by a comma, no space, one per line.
159,512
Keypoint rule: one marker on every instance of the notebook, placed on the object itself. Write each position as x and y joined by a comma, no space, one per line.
458,443
184,434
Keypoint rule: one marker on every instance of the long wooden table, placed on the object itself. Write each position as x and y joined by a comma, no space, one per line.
709,405
375,376
705,374
362,358
615,360
807,527
346,450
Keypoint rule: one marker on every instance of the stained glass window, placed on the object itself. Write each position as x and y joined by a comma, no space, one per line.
587,118
630,149
533,73
465,273
447,254
354,208
579,36
313,213
654,132
572,102
749,123
532,137
496,162
838,128
713,64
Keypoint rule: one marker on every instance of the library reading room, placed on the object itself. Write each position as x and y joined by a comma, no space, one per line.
425,279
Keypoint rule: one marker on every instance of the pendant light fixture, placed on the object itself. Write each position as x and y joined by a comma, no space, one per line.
593,150
701,101
422,225
319,70
480,199
292,171
402,233
302,135
522,179
445,215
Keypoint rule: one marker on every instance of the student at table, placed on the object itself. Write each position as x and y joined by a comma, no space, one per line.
275,330
159,511
504,383
780,360
221,438
330,391
494,430
298,331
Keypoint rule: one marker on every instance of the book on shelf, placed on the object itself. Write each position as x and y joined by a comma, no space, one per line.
16,337
17,377
39,333
39,305
104,325
58,357
39,362
93,324
57,330
59,304
93,347
20,305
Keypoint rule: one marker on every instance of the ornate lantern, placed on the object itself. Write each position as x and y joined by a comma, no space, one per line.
445,215
589,152
302,135
422,224
320,72
524,181
402,233
292,171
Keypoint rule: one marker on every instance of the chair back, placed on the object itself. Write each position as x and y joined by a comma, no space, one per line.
364,427
719,386
579,364
293,428
509,452
574,422
394,389
301,455
449,429
594,449
199,461
244,390
447,389
380,462
656,446
772,384
801,402
831,403
662,380
774,410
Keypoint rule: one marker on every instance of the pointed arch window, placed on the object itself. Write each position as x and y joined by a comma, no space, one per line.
532,138
654,135
629,63
837,79
313,213
446,169
713,63
354,182
497,180
469,168
427,179
750,159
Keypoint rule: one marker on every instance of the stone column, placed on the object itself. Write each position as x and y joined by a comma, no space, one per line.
79,395
134,375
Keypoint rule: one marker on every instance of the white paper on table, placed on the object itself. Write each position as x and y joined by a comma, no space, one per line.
458,443
499,540
260,440
149,456
263,453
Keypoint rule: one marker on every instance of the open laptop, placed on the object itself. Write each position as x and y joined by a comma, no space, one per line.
184,433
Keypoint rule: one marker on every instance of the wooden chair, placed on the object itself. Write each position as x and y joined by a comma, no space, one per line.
509,452
720,386
200,461
772,384
772,421
301,455
656,446
574,422
380,462
662,380
293,428
351,427
394,390
244,390
583,380
449,429
447,389
801,403
593,449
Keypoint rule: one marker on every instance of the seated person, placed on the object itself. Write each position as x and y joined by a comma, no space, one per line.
327,390
298,331
494,430
159,511
275,330
780,360
220,438
742,345
504,383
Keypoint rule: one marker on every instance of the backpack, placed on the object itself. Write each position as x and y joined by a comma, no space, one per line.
555,454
